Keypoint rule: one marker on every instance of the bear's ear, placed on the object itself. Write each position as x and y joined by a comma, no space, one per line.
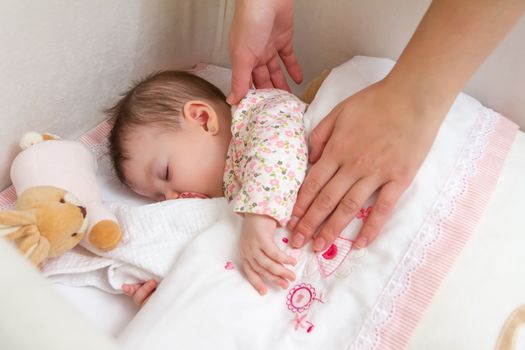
12,221
38,252
38,195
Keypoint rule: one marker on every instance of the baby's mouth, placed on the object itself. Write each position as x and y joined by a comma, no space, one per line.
185,195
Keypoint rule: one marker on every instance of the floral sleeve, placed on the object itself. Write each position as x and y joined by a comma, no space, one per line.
267,158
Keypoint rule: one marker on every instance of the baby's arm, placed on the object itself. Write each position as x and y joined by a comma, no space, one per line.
140,292
274,158
262,259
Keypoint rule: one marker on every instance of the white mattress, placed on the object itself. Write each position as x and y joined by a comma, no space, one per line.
484,283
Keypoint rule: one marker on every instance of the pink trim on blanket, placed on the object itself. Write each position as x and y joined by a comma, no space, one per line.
97,135
92,139
455,231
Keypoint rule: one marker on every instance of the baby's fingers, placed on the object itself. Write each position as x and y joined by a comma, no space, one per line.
274,271
130,289
254,278
276,254
143,293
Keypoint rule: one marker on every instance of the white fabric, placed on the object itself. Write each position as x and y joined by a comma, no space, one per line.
33,316
460,289
201,297
486,284
153,235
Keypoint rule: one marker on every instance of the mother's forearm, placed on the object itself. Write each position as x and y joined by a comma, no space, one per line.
452,40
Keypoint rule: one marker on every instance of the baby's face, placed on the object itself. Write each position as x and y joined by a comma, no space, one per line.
165,163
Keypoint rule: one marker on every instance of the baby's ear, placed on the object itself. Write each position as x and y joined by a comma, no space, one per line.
202,114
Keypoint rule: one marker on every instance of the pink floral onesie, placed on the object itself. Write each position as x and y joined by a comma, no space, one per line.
267,157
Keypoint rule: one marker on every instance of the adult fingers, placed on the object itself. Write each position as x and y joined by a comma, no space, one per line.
276,74
289,59
242,68
381,210
315,180
261,78
346,210
321,134
324,204
254,278
139,298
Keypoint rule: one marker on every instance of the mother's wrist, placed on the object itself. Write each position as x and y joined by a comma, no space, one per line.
429,100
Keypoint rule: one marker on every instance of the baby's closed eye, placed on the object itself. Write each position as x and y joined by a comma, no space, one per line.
167,174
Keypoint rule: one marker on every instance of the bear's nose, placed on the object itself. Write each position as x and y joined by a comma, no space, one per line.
82,210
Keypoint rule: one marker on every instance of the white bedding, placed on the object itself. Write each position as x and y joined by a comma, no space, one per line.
170,293
495,250
108,311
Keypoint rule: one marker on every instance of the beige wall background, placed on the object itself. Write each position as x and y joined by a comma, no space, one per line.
63,62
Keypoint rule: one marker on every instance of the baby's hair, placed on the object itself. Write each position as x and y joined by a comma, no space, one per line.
156,100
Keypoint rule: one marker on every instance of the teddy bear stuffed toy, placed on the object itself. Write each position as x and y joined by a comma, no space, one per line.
46,222
71,167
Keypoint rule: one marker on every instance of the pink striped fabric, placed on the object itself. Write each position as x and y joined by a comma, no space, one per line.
96,136
455,231
92,139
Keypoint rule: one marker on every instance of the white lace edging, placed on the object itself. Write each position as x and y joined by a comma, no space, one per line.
430,231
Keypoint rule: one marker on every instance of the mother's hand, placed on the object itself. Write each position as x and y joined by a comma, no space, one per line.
373,141
260,38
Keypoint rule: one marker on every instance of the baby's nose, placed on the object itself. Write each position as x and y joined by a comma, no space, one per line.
171,195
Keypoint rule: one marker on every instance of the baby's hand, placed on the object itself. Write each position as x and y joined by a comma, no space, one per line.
262,258
140,292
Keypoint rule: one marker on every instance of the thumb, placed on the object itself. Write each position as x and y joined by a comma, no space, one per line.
320,135
241,79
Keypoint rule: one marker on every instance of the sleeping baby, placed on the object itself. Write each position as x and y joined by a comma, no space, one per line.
174,136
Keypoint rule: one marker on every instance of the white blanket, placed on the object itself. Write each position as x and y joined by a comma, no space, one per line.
153,236
343,298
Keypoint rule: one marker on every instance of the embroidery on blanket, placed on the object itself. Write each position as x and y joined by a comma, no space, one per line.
300,321
364,213
229,265
347,266
330,260
334,256
299,300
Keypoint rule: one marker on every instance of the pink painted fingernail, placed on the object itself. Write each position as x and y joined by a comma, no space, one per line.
319,243
298,239
361,242
293,222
